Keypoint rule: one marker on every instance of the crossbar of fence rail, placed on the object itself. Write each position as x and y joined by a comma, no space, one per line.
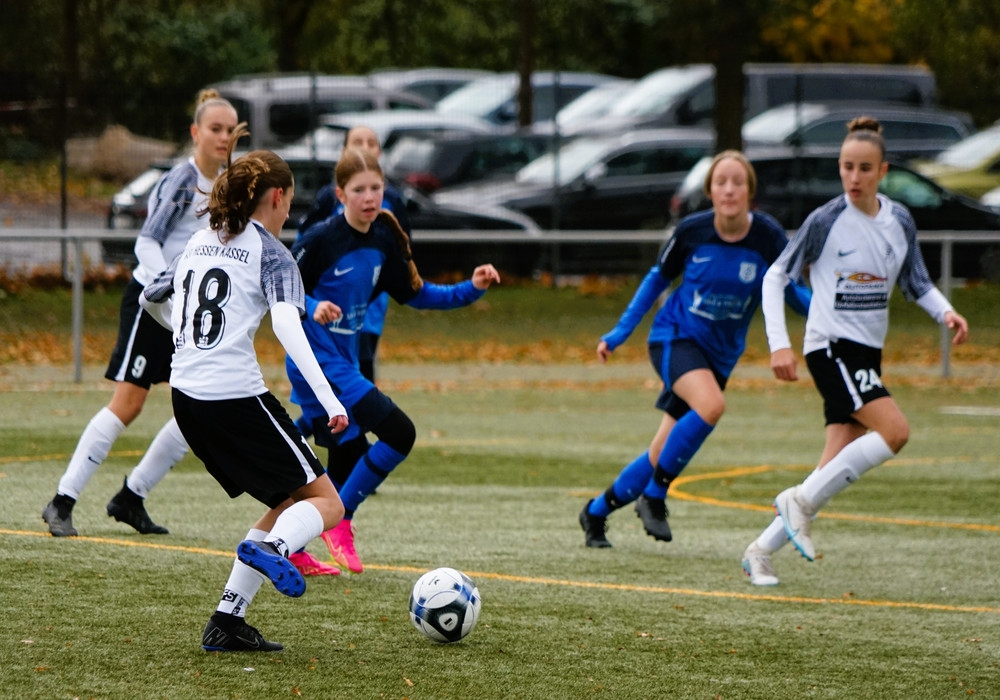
76,237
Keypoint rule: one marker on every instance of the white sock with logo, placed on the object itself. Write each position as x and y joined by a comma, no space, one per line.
243,583
92,449
296,526
868,451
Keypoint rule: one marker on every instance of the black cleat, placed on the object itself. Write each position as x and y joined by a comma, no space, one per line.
59,519
594,526
230,633
653,513
128,507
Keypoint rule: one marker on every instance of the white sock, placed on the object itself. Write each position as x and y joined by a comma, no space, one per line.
868,451
167,449
243,584
773,538
91,450
295,527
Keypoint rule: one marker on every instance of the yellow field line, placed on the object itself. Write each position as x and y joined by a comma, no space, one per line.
567,583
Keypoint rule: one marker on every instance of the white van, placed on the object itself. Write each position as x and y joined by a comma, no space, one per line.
685,95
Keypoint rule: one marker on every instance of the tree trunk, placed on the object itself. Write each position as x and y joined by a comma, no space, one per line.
527,21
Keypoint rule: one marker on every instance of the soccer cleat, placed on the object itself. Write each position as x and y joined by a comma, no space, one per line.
340,541
60,521
757,565
796,516
653,513
308,565
127,507
594,527
264,557
230,633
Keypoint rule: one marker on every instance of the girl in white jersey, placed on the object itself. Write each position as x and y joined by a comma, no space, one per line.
224,282
141,356
855,248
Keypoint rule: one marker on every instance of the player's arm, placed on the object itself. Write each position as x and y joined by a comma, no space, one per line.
157,296
287,325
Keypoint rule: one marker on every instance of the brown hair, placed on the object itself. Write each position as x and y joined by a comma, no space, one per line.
207,99
865,128
739,158
241,186
357,160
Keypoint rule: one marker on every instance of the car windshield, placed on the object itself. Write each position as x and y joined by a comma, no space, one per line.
572,160
656,91
479,97
410,154
776,125
972,151
591,104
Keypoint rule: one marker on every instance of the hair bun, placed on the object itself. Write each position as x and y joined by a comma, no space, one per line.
864,123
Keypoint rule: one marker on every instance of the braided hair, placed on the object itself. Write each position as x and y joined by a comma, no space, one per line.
239,188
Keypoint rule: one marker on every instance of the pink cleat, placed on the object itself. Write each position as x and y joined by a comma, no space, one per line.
340,541
308,565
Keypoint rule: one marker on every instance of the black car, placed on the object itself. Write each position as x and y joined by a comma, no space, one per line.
600,183
790,185
452,158
128,208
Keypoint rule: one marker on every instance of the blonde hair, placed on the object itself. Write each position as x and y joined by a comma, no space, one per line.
239,188
740,158
865,128
207,99
357,160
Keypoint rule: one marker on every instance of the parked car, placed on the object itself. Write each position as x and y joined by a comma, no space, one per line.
128,208
433,84
685,95
453,158
991,198
791,185
389,126
495,98
971,166
609,182
910,132
281,108
594,103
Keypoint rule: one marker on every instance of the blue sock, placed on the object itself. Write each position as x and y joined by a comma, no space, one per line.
370,471
684,441
625,489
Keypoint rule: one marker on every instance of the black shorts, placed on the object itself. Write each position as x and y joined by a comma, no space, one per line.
682,357
848,375
249,445
144,348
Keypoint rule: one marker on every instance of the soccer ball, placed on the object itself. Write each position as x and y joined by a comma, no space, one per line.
444,605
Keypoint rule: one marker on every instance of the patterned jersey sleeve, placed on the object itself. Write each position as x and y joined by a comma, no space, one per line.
280,279
169,200
808,241
914,280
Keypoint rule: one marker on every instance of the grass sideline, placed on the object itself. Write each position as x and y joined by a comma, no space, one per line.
903,602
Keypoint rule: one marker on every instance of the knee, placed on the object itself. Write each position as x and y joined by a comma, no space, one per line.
711,411
398,432
897,436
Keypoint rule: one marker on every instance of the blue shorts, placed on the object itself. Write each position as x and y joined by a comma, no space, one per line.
671,362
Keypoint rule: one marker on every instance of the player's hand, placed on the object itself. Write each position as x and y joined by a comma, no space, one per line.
485,275
326,312
956,322
603,351
783,364
338,424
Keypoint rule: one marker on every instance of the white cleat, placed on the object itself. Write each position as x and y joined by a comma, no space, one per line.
757,564
797,519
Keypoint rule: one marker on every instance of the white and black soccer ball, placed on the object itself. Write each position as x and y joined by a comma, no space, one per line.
444,605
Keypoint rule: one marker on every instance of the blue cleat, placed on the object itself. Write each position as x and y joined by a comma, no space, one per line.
264,557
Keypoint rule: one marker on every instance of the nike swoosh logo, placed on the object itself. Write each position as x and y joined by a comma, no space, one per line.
249,642
843,253
696,259
337,272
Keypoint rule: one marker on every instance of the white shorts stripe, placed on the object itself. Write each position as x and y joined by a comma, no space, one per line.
295,446
849,383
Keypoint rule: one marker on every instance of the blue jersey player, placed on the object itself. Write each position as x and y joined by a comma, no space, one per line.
346,261
696,337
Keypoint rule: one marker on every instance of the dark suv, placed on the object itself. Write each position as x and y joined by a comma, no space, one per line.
790,186
428,164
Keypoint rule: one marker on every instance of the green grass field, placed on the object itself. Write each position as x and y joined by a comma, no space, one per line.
902,603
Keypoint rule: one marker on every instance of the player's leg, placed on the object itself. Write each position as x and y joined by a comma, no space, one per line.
128,505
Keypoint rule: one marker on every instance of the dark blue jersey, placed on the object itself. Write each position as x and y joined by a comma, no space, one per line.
718,294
